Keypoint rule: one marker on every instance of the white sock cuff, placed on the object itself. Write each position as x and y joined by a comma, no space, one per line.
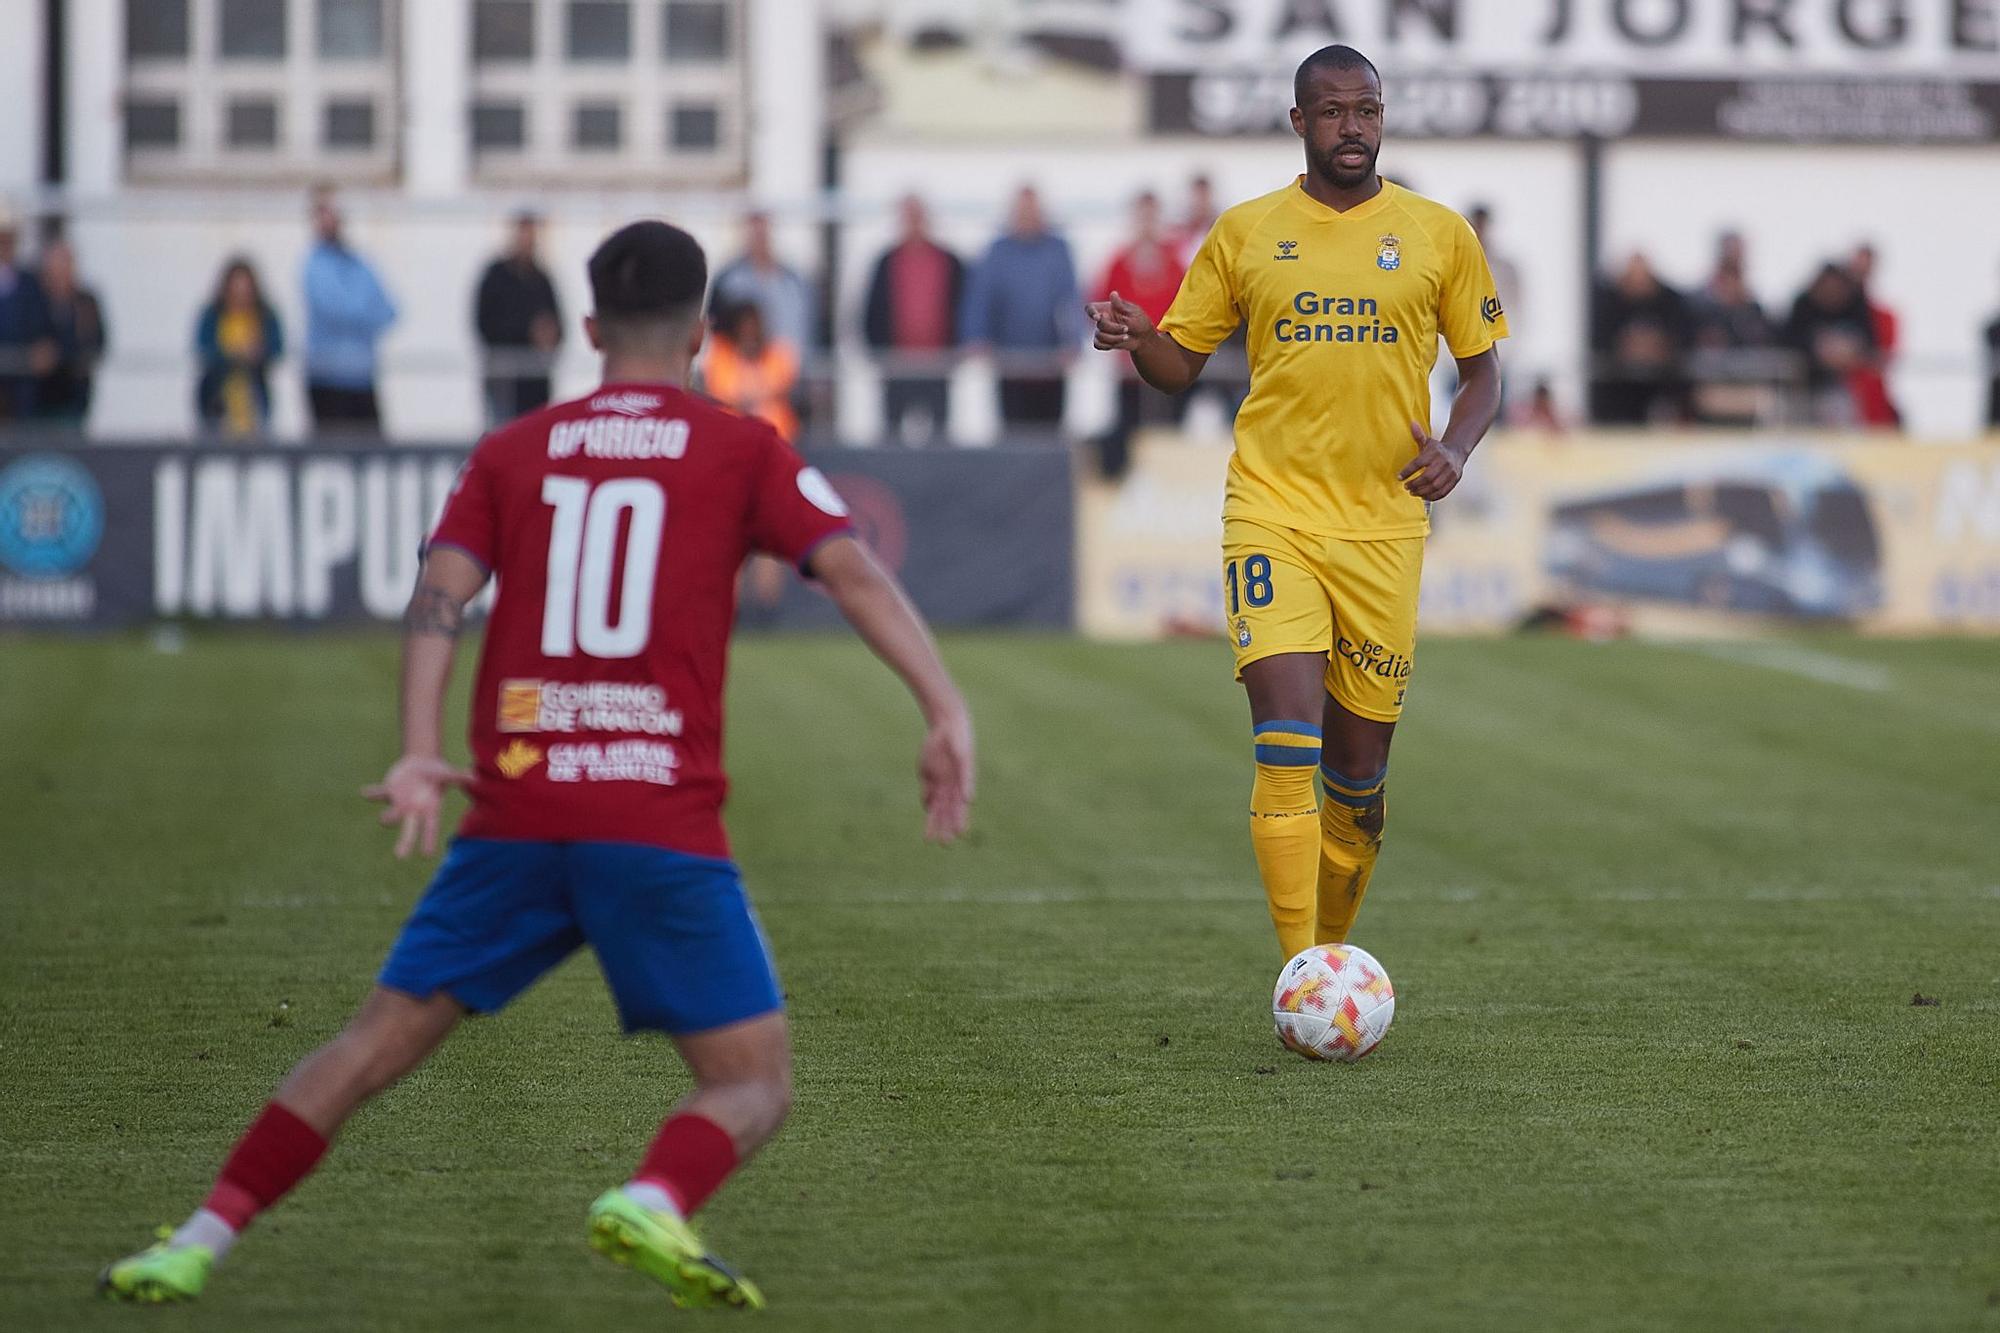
648,1195
206,1229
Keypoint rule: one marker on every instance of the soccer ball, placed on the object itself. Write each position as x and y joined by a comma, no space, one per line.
1333,1002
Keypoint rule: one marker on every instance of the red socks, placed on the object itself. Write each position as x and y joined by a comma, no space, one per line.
689,1158
274,1154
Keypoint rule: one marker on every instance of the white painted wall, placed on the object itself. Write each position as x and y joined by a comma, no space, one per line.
21,40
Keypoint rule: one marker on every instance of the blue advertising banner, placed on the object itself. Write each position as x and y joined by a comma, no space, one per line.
113,535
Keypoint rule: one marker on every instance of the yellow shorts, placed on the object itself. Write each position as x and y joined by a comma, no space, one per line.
1287,591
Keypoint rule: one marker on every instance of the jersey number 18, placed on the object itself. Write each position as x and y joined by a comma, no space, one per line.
583,552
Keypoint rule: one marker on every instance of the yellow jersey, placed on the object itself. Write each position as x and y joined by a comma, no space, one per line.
1344,314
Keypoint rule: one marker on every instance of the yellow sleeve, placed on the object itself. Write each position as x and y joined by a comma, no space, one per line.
1469,310
1204,311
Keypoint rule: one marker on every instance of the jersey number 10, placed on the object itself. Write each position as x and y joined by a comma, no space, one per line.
583,551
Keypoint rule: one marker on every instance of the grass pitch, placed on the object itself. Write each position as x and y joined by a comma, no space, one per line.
1656,918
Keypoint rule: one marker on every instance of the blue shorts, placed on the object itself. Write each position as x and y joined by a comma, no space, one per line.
673,933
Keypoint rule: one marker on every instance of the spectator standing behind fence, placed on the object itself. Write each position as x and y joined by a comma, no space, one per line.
1538,412
1022,307
347,312
911,321
1831,328
520,326
746,368
1734,346
781,294
24,325
1506,273
1868,383
1638,346
1993,374
1146,271
238,337
65,363
1226,378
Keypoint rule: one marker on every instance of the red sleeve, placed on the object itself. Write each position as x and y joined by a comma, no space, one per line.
795,509
470,521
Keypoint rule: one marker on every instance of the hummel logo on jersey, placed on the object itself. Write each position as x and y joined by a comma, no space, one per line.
1287,250
629,402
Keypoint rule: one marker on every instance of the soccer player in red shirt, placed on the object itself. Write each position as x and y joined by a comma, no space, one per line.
616,525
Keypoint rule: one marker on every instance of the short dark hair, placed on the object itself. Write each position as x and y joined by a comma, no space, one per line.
1329,58
648,271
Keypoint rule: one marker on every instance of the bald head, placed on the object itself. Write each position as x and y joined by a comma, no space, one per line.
1330,60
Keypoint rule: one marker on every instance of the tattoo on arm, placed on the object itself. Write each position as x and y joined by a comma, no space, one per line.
432,610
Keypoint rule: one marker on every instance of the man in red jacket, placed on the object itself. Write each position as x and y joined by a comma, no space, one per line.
1147,271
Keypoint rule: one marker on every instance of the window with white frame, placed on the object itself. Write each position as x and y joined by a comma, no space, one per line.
608,91
260,90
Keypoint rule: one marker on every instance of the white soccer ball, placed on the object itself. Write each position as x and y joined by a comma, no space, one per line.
1333,1002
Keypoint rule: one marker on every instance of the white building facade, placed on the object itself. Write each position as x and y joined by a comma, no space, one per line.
170,135
185,132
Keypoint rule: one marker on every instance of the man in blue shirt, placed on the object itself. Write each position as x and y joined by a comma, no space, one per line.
1022,307
347,312
24,326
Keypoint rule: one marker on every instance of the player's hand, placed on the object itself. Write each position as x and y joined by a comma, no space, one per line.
1434,472
945,769
1121,326
414,792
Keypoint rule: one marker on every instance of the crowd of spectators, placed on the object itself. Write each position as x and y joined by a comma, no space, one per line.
1659,354
1715,356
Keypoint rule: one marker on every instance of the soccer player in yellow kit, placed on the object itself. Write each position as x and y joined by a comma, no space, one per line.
1346,282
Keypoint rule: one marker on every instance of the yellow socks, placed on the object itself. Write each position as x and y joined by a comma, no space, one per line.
1283,831
1350,827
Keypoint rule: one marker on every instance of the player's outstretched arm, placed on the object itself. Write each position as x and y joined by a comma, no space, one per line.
1161,362
869,596
414,789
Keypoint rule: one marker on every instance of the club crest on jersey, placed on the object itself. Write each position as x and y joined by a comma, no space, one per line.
1389,255
1242,632
1287,250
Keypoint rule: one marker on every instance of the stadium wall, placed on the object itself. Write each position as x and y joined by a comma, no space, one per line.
1690,535
1698,535
94,538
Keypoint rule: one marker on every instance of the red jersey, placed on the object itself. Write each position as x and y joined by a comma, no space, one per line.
615,526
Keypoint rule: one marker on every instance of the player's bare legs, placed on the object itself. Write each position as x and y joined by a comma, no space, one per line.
391,1035
742,1093
1285,686
742,1078
1353,770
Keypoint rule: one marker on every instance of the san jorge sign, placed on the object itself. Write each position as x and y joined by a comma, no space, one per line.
1878,71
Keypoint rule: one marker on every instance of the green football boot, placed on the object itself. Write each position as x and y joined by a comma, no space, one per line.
158,1273
665,1248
